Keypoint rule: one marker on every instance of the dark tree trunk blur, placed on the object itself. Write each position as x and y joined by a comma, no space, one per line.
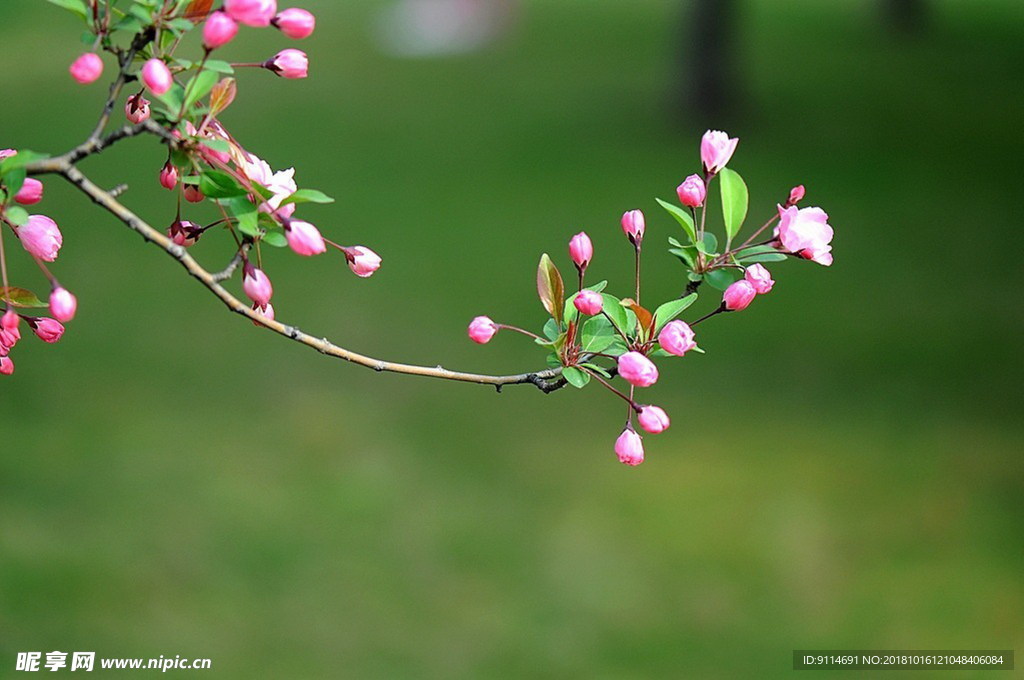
709,57
905,16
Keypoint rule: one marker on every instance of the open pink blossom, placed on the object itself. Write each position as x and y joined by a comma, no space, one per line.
637,370
716,148
281,184
157,76
295,23
630,447
759,278
304,238
136,109
63,304
653,419
87,68
676,338
41,237
31,192
589,302
739,295
289,63
255,13
8,339
482,329
822,256
219,30
692,192
362,261
804,229
581,250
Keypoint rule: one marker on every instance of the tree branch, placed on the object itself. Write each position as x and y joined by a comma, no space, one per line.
546,381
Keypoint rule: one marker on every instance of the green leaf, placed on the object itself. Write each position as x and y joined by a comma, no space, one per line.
552,360
685,254
308,196
172,99
217,184
708,246
275,238
21,297
219,66
600,370
76,6
684,218
199,87
614,309
14,180
734,201
20,160
670,310
576,377
550,287
760,254
16,215
551,329
242,209
721,278
181,25
597,334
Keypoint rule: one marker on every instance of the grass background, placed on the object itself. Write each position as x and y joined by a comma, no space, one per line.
844,468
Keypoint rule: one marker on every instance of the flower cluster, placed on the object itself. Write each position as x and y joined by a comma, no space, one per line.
596,336
42,240
205,162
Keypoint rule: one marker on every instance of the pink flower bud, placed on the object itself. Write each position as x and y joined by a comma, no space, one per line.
653,419
31,192
581,250
169,176
295,23
87,68
10,320
289,63
692,192
637,370
266,310
256,285
157,76
738,295
716,149
7,153
8,339
482,329
6,366
362,261
41,237
63,304
629,447
47,329
193,194
676,338
184,233
796,194
589,302
219,30
136,109
805,229
759,278
633,224
304,238
255,13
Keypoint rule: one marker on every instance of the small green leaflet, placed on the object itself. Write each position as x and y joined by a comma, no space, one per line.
21,297
684,218
576,377
76,6
670,310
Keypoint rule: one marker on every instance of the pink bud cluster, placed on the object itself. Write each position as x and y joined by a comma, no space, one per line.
643,337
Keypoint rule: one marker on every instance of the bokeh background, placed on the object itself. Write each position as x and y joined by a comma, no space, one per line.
844,468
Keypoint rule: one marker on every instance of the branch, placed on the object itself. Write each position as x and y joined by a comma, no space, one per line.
546,381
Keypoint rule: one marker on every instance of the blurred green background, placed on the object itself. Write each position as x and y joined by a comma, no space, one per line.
844,468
